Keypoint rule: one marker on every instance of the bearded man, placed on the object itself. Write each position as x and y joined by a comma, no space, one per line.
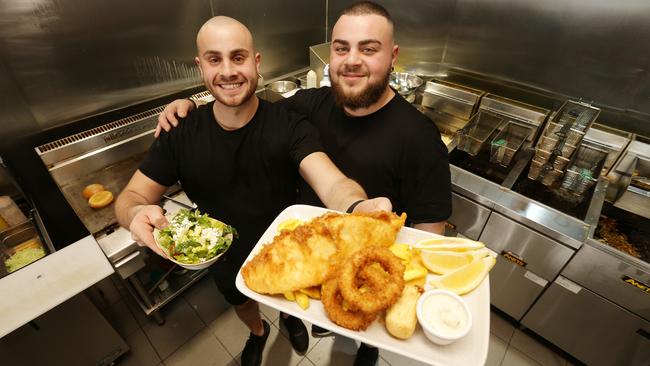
372,134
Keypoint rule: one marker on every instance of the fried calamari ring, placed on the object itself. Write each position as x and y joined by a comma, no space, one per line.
333,304
382,291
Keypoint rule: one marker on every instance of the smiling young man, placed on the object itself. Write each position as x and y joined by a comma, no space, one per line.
373,135
238,159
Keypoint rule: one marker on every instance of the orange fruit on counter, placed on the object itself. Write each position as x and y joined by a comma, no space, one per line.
91,189
100,199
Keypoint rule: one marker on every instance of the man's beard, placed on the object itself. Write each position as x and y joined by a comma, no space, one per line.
237,102
364,99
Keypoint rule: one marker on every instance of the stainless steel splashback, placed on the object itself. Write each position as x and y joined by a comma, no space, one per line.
283,30
73,58
594,50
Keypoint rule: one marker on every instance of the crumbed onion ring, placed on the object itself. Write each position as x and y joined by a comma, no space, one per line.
333,304
382,290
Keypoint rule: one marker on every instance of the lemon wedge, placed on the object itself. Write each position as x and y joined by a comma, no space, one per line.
466,278
449,243
441,262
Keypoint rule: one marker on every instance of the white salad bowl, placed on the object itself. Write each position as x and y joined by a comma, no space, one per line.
190,266
193,267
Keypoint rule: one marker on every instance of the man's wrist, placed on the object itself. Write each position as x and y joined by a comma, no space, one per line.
133,211
196,106
353,206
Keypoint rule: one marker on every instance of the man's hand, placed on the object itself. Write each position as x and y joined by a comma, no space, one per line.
145,220
374,204
167,119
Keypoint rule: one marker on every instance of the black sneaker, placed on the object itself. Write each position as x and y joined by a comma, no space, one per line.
252,353
366,356
318,332
297,333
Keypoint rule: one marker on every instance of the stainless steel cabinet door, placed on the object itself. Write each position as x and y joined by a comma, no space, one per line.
589,327
621,281
527,261
467,217
74,333
536,252
513,289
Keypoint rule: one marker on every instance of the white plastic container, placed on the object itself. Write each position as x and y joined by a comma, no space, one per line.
311,79
326,76
10,212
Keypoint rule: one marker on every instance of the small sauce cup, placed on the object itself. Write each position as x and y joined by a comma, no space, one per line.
444,316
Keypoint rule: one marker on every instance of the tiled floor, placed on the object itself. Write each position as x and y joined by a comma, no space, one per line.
201,329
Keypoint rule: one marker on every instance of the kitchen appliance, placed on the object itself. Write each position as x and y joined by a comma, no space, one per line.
23,238
109,155
20,246
533,241
597,309
630,178
449,106
450,98
42,308
609,139
73,334
516,125
561,136
552,274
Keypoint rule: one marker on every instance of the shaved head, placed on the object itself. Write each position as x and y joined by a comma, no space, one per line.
224,25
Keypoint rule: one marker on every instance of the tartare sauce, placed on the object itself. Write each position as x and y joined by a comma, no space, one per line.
444,314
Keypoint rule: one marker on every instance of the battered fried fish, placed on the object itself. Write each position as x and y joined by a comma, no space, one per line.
305,256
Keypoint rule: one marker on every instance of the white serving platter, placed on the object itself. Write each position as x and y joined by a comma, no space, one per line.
470,350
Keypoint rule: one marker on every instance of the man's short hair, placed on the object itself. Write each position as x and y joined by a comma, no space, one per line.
366,8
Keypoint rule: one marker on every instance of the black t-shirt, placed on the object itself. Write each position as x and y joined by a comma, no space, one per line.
395,152
245,177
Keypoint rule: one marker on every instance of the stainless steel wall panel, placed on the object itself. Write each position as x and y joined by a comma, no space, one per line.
594,50
604,273
587,326
283,30
75,58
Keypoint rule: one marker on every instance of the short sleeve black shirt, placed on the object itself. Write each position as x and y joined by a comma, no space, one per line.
395,152
244,177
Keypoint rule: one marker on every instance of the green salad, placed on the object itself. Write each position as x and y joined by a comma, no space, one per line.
23,257
194,238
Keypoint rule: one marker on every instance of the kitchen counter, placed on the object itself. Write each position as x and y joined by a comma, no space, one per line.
46,283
